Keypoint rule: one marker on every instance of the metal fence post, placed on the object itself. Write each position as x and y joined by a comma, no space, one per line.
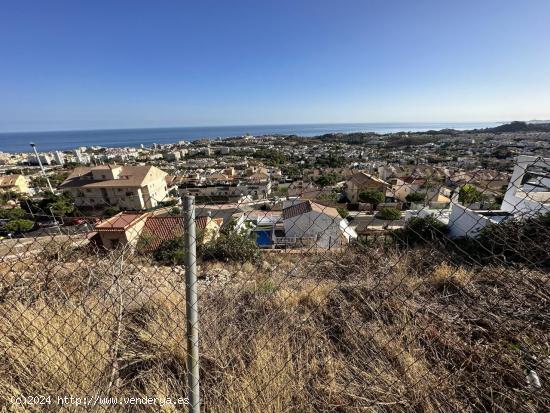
191,303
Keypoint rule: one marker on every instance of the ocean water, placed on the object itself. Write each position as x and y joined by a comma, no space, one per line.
65,140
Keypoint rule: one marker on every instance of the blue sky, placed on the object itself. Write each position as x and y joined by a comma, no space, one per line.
115,64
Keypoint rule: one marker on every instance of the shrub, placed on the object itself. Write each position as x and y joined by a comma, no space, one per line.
389,213
19,225
58,250
522,241
343,212
266,286
175,211
170,202
231,246
8,196
171,252
111,211
418,231
281,190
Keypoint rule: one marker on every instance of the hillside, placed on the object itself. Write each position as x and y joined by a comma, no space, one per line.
517,126
362,330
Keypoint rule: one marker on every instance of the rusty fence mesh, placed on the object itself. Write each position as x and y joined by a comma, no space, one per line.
424,301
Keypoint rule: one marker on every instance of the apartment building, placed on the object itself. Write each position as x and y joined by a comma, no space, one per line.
127,187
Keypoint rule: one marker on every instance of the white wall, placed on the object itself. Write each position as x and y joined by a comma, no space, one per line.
465,222
327,230
516,200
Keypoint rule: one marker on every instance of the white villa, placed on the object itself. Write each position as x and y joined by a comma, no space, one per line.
310,223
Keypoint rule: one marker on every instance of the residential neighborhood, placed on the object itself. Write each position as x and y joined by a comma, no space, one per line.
284,192
275,206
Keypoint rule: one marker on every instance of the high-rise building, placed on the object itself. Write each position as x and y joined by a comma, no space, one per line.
59,157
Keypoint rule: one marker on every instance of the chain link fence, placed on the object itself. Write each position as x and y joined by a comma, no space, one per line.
393,297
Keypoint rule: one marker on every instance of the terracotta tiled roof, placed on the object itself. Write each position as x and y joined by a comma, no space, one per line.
361,179
119,222
158,229
201,222
296,209
258,177
413,180
129,176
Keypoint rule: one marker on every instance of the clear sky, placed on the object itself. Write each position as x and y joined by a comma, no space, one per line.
114,64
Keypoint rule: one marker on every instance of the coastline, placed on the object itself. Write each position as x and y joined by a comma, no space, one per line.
71,139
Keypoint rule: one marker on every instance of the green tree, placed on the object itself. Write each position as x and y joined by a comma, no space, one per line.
62,207
13,213
326,180
59,205
416,197
332,160
372,197
19,225
468,194
56,179
389,213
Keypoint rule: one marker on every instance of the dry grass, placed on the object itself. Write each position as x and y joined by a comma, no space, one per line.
362,331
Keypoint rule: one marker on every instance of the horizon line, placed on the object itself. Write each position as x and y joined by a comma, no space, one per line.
263,124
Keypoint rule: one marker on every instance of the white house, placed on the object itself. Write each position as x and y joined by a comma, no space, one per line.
528,194
309,223
528,191
465,222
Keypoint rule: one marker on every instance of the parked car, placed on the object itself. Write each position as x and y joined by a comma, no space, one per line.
48,224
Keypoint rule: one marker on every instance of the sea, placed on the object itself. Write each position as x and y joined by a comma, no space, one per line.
71,139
